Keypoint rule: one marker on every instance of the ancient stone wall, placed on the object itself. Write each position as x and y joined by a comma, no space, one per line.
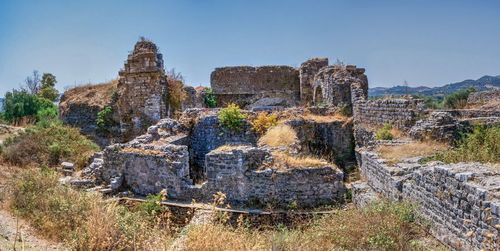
486,99
332,84
333,140
233,173
307,71
141,90
207,135
454,199
401,113
245,85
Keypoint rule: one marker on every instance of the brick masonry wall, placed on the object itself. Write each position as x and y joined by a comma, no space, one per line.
447,196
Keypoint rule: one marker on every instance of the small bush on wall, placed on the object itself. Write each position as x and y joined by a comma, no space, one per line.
384,133
263,122
231,117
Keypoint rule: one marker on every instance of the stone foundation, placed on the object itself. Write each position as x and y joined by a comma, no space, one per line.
454,199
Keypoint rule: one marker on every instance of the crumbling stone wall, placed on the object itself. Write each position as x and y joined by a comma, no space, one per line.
141,90
245,85
234,173
401,113
454,199
489,100
332,84
207,135
307,71
333,140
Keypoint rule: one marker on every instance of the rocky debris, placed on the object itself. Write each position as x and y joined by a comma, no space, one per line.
363,194
270,102
93,171
488,100
439,125
67,168
82,183
116,183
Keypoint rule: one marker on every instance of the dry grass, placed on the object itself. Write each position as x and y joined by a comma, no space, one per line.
326,119
86,222
142,151
280,135
382,226
229,148
414,149
284,161
93,95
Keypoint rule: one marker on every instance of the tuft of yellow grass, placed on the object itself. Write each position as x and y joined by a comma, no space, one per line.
326,119
280,135
228,148
414,149
283,161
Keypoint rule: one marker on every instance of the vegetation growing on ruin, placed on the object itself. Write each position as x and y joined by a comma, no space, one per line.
210,98
458,100
231,117
384,133
480,145
176,94
284,161
395,153
84,221
280,135
263,122
105,119
48,143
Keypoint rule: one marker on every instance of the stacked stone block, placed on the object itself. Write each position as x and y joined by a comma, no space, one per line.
459,201
332,84
141,90
307,71
245,85
401,113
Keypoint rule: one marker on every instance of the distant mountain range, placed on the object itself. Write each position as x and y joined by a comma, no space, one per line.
482,84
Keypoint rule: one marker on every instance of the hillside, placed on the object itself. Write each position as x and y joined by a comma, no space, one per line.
1,104
482,84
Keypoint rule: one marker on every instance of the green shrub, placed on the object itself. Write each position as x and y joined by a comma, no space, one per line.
105,119
431,101
458,99
48,143
210,98
153,206
480,145
384,133
19,104
231,117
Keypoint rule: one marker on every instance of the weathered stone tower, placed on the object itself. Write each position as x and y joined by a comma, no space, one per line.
332,84
141,90
307,71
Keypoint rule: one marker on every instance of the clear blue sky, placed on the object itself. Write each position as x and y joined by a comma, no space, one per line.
424,42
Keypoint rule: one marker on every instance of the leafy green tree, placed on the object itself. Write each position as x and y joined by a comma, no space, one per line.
47,88
458,99
19,104
210,98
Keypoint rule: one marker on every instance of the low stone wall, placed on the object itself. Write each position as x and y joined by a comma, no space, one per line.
401,113
454,199
480,98
233,173
207,135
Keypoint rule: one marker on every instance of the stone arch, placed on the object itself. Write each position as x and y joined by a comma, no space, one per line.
317,95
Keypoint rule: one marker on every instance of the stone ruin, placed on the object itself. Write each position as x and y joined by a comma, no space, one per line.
193,156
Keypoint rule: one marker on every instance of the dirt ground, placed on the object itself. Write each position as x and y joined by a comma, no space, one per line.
11,226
